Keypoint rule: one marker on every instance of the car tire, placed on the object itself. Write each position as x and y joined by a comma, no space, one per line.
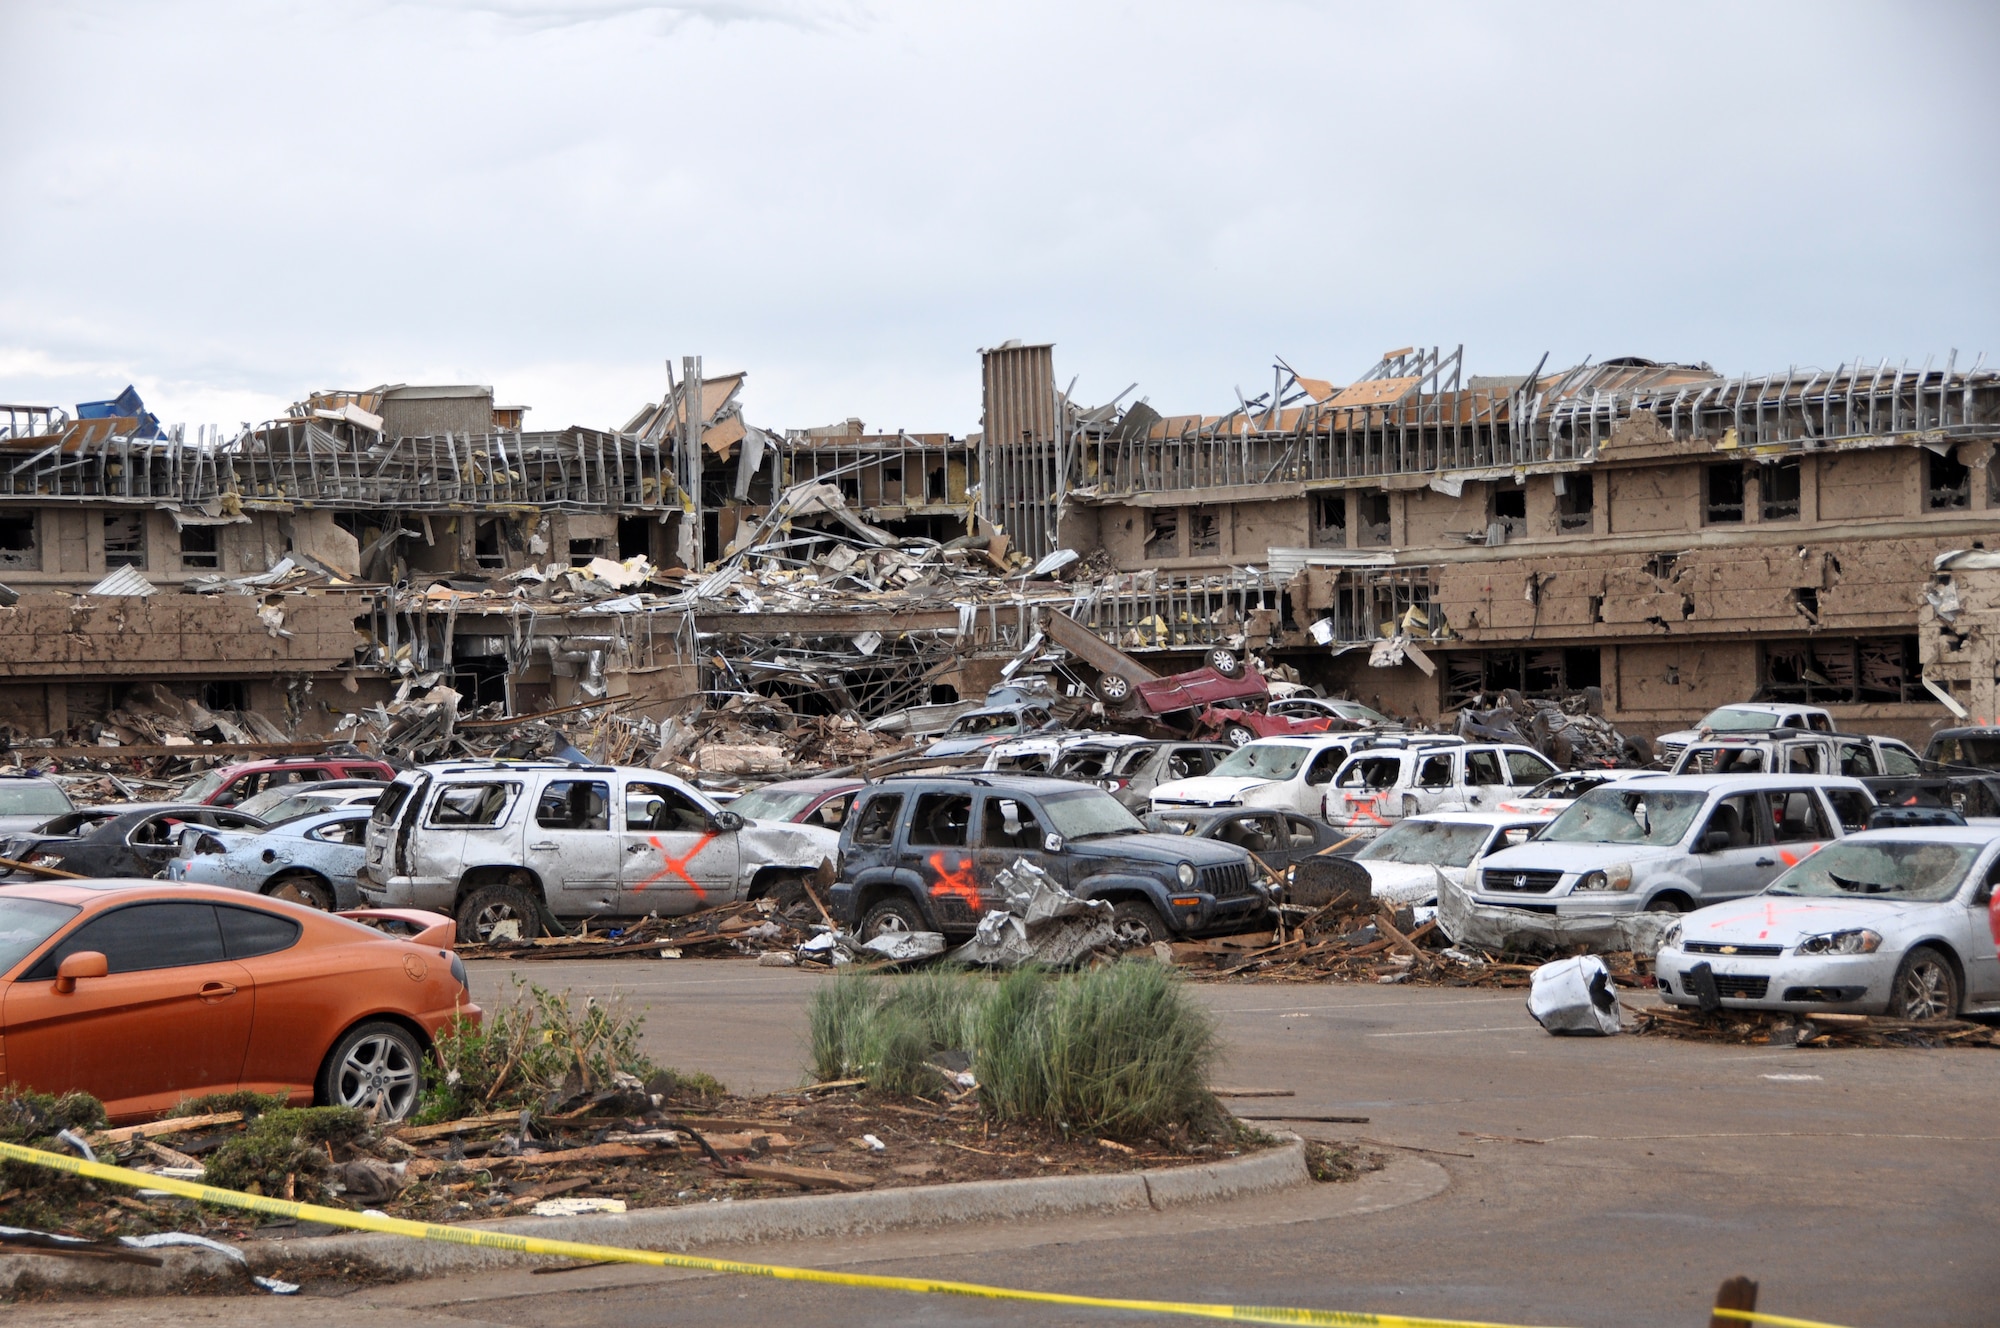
1112,688
1671,902
788,895
1238,735
377,1066
301,888
1638,750
1226,662
491,905
1138,922
892,916
1926,987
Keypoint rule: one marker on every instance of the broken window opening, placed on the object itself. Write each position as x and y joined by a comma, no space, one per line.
224,696
1575,504
1204,531
1533,673
486,545
934,485
124,539
1163,533
200,547
1853,671
635,537
892,482
1778,491
1947,484
1329,520
18,547
1724,502
581,551
1510,511
1374,517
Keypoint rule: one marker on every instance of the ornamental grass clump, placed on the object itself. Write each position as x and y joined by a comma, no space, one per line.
539,1044
888,1031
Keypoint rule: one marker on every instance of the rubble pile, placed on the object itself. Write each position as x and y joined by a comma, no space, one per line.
1770,1029
1572,731
751,928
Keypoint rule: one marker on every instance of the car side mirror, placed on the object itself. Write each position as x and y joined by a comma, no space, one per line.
1052,842
726,821
1983,896
82,964
1715,841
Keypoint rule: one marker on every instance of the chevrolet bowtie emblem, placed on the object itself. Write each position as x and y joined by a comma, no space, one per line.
1727,949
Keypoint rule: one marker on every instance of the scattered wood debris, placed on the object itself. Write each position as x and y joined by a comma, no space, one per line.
1773,1029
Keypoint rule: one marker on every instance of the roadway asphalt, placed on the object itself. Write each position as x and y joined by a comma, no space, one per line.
1570,1181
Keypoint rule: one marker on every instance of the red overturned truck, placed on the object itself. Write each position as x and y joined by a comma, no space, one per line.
1225,698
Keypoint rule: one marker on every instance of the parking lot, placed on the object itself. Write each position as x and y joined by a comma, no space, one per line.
1856,1186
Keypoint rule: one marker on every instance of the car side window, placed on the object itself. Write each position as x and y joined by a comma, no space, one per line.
1300,831
994,816
662,807
1251,832
1853,807
1899,760
833,812
1483,767
1736,818
351,831
1820,723
249,932
155,831
1435,772
140,937
1323,766
1796,817
941,819
472,804
1528,768
878,819
1513,837
1802,761
574,804
1857,760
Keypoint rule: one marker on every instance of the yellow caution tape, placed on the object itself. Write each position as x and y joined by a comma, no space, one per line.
567,1249
1753,1316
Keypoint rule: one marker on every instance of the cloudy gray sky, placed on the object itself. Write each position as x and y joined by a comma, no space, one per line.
232,203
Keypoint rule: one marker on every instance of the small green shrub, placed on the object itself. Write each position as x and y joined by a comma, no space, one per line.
35,1119
252,1105
1120,1049
48,1198
282,1142
540,1043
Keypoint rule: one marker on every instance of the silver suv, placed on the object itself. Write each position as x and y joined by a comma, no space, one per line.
1398,777
504,845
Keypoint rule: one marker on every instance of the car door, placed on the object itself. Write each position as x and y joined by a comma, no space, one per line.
1525,769
1009,830
149,846
673,858
468,824
1733,849
171,1018
1301,841
939,839
1976,940
1799,827
570,845
1485,777
1435,783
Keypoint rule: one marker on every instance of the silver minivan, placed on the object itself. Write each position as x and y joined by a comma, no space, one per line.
1673,844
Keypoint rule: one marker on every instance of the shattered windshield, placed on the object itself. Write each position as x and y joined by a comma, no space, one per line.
1896,869
25,924
32,798
1615,815
1264,760
1427,843
772,804
1088,813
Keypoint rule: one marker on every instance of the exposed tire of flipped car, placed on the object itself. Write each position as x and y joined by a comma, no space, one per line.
891,917
1238,735
1112,688
1926,987
302,888
1226,662
375,1066
1138,922
491,907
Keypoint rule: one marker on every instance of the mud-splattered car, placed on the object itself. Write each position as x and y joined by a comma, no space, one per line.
504,846
921,854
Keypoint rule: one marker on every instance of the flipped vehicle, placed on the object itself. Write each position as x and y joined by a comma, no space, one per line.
310,860
508,847
1673,844
226,786
1403,862
143,994
1884,922
1744,717
1291,773
29,801
921,853
125,839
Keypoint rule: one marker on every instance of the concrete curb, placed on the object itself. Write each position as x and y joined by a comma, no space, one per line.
748,1221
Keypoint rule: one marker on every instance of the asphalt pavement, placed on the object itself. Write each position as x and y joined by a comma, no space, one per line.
1540,1180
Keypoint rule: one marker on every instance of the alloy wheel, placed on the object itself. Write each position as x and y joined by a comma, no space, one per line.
378,1071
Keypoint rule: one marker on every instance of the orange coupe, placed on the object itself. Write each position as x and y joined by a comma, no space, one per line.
143,994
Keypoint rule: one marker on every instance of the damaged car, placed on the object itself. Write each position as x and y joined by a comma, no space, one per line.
310,860
1884,922
509,847
1130,770
923,854
1275,839
1403,862
29,801
129,839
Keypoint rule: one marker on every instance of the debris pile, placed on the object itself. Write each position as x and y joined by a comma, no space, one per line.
750,928
1773,1029
1572,731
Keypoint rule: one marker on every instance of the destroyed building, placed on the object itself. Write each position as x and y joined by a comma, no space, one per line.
1672,536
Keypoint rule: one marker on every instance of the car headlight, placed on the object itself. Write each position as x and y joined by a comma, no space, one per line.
1618,877
1672,938
1187,873
1855,942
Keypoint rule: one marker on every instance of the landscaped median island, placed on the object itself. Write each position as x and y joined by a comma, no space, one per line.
549,1109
